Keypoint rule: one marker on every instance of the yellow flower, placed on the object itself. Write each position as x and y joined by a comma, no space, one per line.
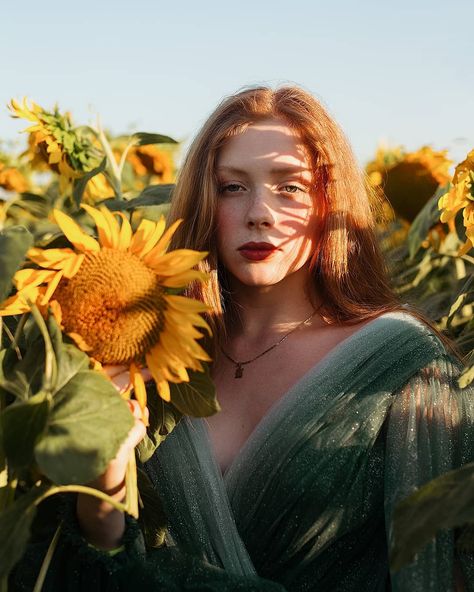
150,160
55,144
12,179
408,180
112,297
461,196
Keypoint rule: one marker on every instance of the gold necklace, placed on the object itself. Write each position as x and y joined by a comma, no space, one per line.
239,370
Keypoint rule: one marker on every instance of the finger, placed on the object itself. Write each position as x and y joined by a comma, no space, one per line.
113,370
121,381
146,374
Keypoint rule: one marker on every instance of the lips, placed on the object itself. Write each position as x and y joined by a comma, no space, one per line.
256,251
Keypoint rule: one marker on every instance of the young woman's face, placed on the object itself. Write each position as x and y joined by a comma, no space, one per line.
265,216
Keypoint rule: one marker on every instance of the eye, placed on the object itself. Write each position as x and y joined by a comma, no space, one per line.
231,188
293,189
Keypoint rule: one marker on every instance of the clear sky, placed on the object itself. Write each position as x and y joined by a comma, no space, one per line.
399,71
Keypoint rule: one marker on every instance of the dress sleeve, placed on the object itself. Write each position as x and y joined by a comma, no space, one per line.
429,432
79,567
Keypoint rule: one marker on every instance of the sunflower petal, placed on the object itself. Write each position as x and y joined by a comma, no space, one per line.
175,262
183,304
113,226
73,265
51,258
138,383
125,235
181,280
164,242
103,229
143,234
161,384
74,233
51,287
153,234
32,277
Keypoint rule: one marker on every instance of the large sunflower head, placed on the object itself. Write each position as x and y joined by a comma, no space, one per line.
461,197
116,296
409,179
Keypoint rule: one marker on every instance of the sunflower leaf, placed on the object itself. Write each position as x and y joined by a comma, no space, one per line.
425,219
197,397
22,424
15,526
80,184
444,502
81,439
144,138
14,243
164,417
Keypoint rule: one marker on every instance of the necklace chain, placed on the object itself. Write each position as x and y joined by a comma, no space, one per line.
239,370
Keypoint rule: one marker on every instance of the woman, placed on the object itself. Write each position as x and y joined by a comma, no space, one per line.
336,403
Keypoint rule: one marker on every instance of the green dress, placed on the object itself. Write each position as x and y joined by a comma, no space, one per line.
307,503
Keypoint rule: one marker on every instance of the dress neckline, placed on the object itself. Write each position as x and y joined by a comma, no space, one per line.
315,369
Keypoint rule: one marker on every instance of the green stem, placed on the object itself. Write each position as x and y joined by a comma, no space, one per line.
123,158
47,560
82,489
50,365
115,174
20,327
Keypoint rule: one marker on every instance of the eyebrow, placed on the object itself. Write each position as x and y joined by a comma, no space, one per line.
273,171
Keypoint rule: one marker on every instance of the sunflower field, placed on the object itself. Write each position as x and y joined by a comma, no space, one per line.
83,238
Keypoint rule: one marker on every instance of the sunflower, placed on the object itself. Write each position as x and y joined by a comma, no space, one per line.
408,179
12,179
54,144
461,197
116,296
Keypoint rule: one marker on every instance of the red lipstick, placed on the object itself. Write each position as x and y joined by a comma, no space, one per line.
256,251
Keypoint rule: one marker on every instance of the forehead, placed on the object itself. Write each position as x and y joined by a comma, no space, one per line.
269,141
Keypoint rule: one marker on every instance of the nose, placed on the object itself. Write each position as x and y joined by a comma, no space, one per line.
260,213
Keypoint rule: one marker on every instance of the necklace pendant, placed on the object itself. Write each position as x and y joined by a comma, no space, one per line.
239,371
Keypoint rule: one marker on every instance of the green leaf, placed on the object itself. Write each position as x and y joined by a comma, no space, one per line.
22,425
15,526
80,184
444,502
14,243
88,422
426,219
197,397
164,417
460,298
144,138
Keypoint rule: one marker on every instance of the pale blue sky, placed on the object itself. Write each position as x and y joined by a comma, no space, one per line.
395,71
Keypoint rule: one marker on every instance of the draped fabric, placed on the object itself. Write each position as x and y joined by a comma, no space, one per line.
308,501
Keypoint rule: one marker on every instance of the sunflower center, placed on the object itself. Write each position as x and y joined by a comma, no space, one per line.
115,303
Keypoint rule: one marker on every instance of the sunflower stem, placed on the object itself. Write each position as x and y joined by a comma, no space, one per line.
50,364
47,560
131,485
114,174
123,158
82,489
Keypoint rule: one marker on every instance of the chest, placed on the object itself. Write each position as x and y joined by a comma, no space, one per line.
245,401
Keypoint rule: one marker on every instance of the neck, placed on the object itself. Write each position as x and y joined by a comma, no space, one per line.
263,313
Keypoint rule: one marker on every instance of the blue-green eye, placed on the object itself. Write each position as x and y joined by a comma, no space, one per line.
231,188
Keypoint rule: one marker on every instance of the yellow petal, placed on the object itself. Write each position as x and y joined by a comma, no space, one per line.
33,277
183,304
160,248
161,384
150,236
51,258
72,266
51,288
103,229
138,383
74,233
141,236
56,311
113,226
125,235
13,306
175,262
191,318
181,280
80,342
